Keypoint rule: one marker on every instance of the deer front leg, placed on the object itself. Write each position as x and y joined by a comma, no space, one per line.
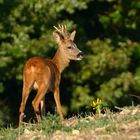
42,107
58,104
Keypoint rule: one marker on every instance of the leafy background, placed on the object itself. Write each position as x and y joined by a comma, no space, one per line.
108,32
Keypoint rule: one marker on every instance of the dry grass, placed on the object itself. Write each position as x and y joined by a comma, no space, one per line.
124,125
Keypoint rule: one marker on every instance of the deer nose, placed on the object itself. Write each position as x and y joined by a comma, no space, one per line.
80,55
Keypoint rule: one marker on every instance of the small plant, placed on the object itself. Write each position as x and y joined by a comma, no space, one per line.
50,123
97,105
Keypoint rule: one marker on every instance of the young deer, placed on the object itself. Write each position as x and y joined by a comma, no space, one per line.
44,74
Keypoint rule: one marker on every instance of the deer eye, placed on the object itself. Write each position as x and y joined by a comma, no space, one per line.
69,47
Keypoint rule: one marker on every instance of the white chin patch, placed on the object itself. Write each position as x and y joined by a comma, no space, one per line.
79,58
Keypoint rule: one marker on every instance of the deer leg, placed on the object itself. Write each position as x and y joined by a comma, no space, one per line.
42,107
39,96
58,104
25,94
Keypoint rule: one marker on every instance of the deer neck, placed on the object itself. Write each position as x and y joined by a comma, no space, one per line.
60,60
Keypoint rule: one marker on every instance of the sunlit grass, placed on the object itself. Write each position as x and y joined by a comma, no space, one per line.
108,124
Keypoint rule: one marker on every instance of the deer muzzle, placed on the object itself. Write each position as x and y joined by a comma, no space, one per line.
80,55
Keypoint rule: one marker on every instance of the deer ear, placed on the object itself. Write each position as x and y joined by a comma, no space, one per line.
57,37
72,35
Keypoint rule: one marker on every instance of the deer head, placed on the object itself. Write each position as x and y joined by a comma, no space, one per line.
66,44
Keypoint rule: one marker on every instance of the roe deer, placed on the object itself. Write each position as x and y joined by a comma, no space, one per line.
44,74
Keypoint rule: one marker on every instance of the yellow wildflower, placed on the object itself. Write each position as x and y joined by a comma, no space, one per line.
96,103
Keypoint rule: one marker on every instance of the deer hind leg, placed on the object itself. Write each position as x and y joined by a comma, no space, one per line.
25,93
39,96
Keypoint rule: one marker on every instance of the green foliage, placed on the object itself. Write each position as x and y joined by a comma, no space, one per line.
80,97
10,133
51,123
4,116
107,32
115,88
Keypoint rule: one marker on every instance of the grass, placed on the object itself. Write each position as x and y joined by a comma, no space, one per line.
106,126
